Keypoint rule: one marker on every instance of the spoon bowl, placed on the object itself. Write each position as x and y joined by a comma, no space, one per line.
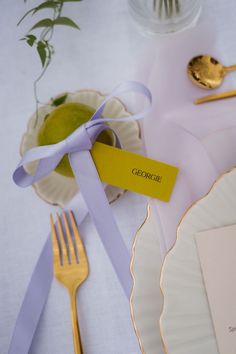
206,72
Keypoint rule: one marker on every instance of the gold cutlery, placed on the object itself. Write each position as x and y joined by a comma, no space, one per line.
70,264
206,72
215,97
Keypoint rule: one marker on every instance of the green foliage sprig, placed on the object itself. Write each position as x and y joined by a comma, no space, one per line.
45,29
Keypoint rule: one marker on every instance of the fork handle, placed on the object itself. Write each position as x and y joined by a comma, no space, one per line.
75,324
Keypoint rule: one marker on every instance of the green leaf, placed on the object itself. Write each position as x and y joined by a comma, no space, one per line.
41,49
71,0
66,22
59,100
30,39
47,4
50,4
47,22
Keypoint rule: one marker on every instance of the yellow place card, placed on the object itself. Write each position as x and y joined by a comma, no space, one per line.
134,172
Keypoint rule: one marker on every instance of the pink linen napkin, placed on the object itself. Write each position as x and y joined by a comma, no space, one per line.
200,140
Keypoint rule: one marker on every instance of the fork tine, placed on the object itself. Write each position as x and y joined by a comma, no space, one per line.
62,241
70,240
80,246
55,246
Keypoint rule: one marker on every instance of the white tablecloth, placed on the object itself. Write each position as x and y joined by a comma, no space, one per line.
107,50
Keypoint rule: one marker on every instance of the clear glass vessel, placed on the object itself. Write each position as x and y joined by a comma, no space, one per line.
164,16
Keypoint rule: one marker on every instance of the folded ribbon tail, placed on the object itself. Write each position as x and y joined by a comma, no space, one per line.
101,214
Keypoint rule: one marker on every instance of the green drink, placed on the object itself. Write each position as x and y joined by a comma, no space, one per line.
60,123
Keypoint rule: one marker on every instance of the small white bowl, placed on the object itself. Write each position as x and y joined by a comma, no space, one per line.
57,189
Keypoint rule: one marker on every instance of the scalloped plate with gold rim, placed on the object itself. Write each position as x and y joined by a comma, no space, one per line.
146,298
186,324
57,189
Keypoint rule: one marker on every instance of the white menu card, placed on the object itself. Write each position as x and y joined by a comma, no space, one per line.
217,253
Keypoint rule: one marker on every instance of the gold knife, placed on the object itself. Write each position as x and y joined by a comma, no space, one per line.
217,96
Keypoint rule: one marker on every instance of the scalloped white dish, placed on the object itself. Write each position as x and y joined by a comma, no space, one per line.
57,189
186,323
146,298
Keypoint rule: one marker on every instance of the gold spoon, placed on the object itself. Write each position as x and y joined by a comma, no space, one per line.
207,72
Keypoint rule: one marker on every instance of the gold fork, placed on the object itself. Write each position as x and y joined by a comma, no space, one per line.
70,265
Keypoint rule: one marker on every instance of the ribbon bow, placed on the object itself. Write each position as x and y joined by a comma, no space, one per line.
82,139
49,156
77,146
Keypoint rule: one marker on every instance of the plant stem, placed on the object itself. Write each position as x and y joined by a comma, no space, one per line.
166,8
177,6
169,5
160,7
43,37
42,41
35,85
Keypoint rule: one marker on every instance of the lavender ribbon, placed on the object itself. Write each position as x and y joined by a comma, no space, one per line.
93,199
